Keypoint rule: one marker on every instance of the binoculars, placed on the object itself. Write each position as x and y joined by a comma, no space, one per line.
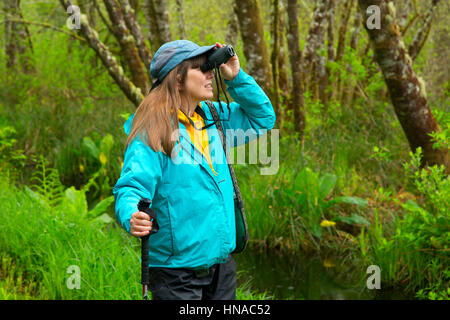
217,57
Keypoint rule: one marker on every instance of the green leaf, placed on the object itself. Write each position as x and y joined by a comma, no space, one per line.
104,218
307,182
125,115
412,206
302,199
354,219
91,147
36,196
106,144
316,230
101,207
75,201
351,200
326,184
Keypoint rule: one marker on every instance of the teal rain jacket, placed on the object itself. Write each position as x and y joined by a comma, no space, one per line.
194,207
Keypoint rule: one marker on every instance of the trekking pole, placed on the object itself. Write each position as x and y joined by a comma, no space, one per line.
144,206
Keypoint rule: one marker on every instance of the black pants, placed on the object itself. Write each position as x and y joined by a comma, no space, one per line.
215,283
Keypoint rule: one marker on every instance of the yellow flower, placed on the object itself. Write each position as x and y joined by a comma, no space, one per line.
327,263
102,158
327,223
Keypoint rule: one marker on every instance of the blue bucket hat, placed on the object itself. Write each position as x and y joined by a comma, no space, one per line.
171,54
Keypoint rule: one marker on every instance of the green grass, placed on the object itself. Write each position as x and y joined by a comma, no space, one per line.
13,285
44,241
40,242
414,249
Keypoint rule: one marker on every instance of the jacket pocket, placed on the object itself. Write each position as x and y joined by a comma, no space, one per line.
170,215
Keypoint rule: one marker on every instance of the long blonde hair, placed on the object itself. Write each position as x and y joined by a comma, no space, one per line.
156,118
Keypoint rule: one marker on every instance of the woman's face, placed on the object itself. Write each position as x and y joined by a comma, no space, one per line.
198,85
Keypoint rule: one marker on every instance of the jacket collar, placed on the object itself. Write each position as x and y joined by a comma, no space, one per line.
185,140
188,146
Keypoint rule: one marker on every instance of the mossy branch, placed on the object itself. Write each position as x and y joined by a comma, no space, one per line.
45,25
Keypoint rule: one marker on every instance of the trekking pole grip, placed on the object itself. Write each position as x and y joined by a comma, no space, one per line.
144,206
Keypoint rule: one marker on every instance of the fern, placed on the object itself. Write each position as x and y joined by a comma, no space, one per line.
46,182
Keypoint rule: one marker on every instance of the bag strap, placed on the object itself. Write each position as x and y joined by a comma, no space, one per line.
237,193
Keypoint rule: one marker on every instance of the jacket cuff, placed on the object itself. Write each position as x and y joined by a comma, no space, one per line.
237,80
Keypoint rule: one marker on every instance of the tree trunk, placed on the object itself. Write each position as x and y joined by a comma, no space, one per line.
412,19
283,83
18,48
232,30
127,45
274,57
403,10
162,19
133,26
356,30
255,48
343,28
89,8
421,36
330,30
325,93
181,19
295,58
313,63
133,93
349,97
406,89
347,8
158,21
135,5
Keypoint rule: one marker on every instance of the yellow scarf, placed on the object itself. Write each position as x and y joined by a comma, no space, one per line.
199,137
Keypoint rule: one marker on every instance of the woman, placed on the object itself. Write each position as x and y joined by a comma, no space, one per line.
175,159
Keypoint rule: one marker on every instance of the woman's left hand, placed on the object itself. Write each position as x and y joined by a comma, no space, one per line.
230,69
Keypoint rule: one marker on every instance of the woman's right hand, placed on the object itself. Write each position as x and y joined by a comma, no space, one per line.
140,224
